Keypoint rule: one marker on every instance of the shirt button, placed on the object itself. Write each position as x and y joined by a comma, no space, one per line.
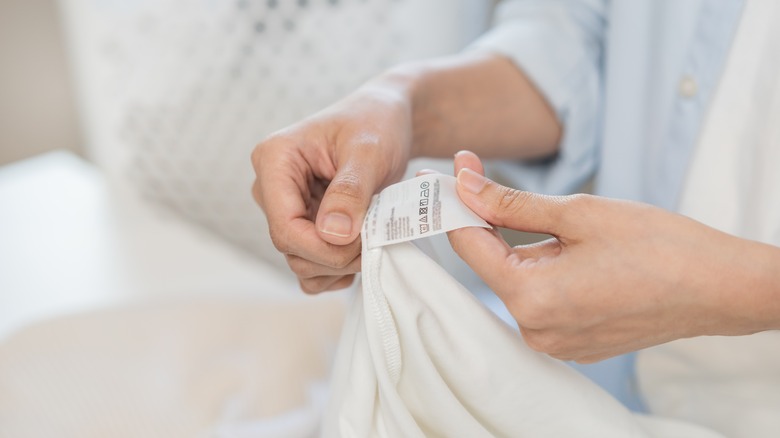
688,87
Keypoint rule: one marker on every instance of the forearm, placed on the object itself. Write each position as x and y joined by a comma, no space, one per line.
475,101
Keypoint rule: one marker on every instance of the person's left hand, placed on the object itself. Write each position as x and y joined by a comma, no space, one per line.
618,276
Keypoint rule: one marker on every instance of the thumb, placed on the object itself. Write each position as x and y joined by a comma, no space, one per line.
344,204
509,208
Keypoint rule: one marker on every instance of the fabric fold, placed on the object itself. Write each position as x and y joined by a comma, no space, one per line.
420,356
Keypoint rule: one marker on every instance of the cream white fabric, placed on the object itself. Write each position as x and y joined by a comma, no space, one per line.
231,368
732,384
420,356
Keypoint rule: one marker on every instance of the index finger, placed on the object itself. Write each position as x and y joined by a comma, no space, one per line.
284,202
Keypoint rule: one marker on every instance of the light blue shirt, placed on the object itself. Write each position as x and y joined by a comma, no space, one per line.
630,81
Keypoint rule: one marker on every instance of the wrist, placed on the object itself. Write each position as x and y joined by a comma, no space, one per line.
761,285
405,82
746,287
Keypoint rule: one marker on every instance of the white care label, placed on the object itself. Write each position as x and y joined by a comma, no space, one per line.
419,207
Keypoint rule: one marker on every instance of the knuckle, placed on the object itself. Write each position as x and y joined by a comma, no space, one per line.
256,155
564,357
557,346
348,280
510,202
346,185
312,286
278,141
302,268
586,360
307,269
347,258
257,193
342,261
263,159
534,341
259,152
280,241
546,342
323,283
342,283
531,316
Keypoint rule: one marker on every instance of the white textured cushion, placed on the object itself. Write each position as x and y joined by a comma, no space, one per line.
177,93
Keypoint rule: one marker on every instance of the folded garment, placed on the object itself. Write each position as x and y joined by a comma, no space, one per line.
420,356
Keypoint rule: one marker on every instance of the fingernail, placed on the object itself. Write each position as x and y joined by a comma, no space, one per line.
337,224
471,181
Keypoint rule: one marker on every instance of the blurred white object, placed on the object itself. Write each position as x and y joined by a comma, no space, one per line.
731,384
221,368
176,93
209,339
72,243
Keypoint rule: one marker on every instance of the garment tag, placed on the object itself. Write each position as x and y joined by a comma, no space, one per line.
419,207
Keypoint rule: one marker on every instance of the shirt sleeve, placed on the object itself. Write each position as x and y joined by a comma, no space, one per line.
559,46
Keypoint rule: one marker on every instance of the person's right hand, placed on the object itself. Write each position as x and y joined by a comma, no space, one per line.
617,276
315,180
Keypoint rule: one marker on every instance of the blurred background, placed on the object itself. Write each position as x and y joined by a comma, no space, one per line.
169,97
133,259
37,99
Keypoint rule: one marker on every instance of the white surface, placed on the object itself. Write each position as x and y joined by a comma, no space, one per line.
208,367
70,243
